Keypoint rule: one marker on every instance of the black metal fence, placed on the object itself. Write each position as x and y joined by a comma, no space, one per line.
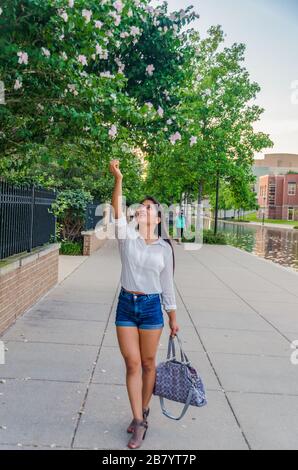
25,221
91,215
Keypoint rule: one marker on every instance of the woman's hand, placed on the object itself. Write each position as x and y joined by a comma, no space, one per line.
114,169
173,326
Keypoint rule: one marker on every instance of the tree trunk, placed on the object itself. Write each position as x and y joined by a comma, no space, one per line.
216,206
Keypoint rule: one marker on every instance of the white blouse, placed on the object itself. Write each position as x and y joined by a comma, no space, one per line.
146,267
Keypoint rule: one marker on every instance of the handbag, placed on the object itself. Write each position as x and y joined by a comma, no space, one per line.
178,381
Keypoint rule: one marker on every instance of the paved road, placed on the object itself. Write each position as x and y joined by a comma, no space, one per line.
63,384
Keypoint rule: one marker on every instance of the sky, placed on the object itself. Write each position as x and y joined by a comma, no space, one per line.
269,29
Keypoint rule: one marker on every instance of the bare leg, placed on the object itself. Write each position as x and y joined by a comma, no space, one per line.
128,338
149,340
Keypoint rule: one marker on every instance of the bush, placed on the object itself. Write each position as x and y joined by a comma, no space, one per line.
70,209
71,248
210,238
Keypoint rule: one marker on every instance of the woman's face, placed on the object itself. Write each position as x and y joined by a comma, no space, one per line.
147,213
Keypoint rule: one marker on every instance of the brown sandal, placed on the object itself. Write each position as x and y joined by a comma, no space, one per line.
138,435
132,424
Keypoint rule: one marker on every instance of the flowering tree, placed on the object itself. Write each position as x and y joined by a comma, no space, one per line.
85,80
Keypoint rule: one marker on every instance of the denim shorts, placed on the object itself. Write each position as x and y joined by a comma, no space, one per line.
141,310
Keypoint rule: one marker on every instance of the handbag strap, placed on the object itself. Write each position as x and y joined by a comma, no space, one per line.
184,409
171,349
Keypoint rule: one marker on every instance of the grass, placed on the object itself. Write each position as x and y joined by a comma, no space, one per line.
253,218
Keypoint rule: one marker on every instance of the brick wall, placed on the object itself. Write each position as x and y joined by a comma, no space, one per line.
24,280
93,239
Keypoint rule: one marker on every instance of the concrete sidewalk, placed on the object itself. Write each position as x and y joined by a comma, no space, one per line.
63,384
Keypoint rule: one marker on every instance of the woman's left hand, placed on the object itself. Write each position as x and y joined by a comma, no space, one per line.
174,327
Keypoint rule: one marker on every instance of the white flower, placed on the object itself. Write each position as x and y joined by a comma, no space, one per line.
98,24
124,34
149,9
118,5
17,84
103,53
61,37
117,20
113,131
86,14
63,55
72,88
1,11
129,13
107,74
70,3
160,111
174,137
193,140
120,64
149,69
40,106
149,104
134,30
23,57
45,52
63,14
169,121
82,58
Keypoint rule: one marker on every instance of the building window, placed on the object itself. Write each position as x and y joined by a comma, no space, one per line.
291,189
271,198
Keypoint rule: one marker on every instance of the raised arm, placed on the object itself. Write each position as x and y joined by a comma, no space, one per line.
117,191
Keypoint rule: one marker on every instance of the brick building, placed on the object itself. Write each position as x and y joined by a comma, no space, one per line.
278,196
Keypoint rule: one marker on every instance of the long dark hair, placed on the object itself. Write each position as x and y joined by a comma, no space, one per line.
161,226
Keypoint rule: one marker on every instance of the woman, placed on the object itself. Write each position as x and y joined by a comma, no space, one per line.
146,282
180,225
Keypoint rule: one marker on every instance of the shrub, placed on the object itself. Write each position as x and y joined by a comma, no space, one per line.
71,248
70,209
210,238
